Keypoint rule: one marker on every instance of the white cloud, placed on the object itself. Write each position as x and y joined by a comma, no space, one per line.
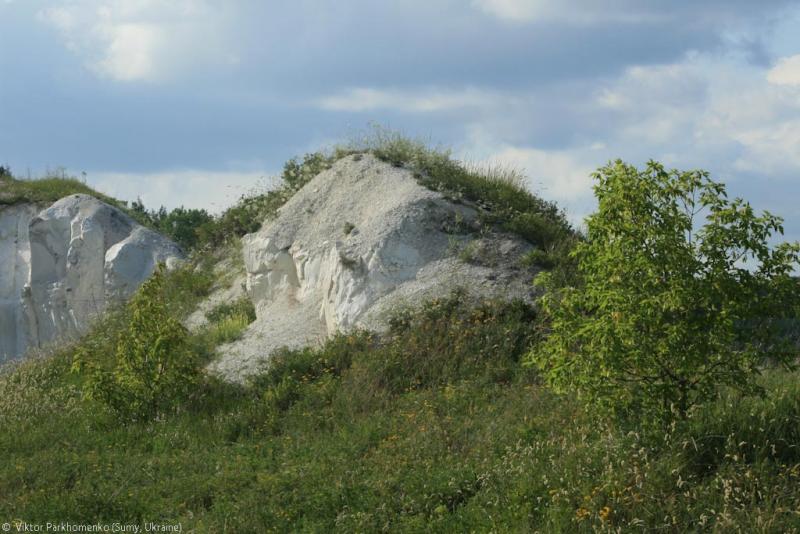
132,52
417,101
704,111
142,40
61,18
786,71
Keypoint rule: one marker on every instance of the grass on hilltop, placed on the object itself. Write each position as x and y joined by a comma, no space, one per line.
499,190
499,193
45,190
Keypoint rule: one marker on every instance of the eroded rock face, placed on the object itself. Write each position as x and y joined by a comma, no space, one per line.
355,243
15,254
65,264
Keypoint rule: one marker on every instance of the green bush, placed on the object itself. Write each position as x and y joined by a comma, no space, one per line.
153,370
666,312
298,173
181,224
451,339
240,307
227,322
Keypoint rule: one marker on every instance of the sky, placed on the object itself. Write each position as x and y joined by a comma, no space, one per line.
196,102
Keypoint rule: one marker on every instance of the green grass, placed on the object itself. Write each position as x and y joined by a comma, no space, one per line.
47,189
434,427
227,322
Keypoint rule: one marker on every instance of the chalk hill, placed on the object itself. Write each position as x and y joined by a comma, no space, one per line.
358,241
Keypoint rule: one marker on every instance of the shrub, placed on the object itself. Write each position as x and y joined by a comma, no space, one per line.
152,368
667,312
227,321
298,173
240,307
451,339
180,224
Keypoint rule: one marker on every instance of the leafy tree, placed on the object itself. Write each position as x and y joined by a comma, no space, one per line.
153,368
182,225
668,310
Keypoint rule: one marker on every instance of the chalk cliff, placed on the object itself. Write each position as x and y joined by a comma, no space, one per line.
63,264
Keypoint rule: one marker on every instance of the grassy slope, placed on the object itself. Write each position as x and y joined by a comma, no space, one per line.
48,189
438,427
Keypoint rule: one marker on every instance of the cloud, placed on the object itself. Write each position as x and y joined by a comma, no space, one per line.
786,71
705,111
561,175
141,40
416,101
735,117
132,51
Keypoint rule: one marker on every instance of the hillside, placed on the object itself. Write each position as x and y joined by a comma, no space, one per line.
356,243
435,423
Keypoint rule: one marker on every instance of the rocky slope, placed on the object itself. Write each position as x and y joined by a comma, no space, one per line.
61,265
355,243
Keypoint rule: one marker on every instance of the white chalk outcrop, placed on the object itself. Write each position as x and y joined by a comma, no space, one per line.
62,265
355,243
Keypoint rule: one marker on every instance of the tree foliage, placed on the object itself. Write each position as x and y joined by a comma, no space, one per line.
182,225
152,369
681,292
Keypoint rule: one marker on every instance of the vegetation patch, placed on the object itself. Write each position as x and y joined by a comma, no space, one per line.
499,191
46,190
666,313
436,426
228,321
